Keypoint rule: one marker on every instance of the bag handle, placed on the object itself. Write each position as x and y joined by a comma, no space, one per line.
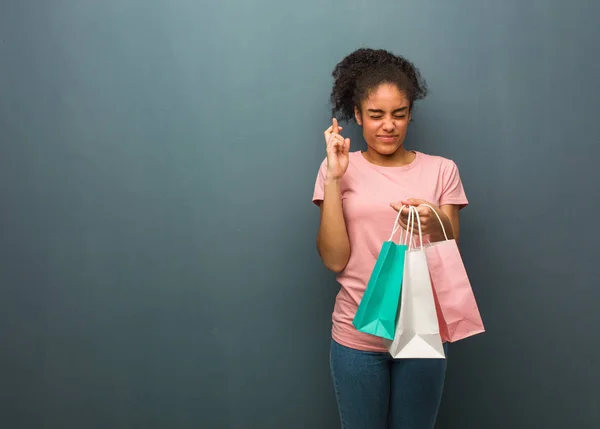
409,222
397,226
439,218
415,214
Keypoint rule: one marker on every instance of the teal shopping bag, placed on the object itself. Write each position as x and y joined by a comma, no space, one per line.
379,306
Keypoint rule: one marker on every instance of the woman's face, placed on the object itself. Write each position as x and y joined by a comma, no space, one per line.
384,118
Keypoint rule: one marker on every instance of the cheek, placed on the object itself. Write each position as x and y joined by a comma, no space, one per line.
371,127
402,126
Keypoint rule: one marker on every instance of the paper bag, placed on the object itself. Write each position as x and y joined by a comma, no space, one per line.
417,331
376,313
458,313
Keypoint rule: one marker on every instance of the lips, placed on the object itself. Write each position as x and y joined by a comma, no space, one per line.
387,138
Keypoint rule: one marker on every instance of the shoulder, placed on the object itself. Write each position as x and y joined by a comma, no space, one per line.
444,167
436,160
448,178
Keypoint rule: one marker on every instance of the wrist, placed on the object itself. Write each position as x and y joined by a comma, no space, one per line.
332,180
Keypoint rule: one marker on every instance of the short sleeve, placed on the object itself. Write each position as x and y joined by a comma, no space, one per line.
452,188
318,192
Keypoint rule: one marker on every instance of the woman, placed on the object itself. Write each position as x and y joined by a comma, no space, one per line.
359,194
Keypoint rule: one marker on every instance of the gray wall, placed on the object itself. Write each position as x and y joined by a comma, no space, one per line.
158,266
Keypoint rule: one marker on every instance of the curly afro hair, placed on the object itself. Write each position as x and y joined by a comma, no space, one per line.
364,70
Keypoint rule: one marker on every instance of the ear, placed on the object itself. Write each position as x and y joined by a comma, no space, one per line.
357,116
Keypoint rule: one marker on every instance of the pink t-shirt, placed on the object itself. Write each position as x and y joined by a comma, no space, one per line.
367,191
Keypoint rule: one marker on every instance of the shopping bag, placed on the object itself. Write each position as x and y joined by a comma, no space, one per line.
376,313
417,330
457,309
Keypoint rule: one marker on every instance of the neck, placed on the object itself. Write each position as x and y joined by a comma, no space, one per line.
397,159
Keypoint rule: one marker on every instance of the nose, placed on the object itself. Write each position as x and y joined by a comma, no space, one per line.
388,126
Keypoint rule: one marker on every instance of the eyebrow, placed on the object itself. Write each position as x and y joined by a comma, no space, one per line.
401,109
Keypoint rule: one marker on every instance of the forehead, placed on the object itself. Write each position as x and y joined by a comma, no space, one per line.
386,96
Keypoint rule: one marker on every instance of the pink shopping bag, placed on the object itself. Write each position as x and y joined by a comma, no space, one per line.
457,310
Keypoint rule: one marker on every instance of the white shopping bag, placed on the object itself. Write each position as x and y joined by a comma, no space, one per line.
417,330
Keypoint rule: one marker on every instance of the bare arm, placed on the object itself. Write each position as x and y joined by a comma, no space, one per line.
451,221
332,240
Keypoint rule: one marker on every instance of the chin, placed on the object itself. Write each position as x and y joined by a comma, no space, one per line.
386,149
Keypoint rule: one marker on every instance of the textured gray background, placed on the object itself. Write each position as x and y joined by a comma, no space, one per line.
157,240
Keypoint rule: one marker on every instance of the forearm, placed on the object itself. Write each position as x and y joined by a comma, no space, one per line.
332,240
449,217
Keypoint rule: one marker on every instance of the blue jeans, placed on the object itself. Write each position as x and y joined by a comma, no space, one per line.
375,391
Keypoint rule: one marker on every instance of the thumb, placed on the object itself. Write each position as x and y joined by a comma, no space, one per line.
346,146
400,206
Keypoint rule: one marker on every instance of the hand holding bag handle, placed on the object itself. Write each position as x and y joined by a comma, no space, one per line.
438,217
